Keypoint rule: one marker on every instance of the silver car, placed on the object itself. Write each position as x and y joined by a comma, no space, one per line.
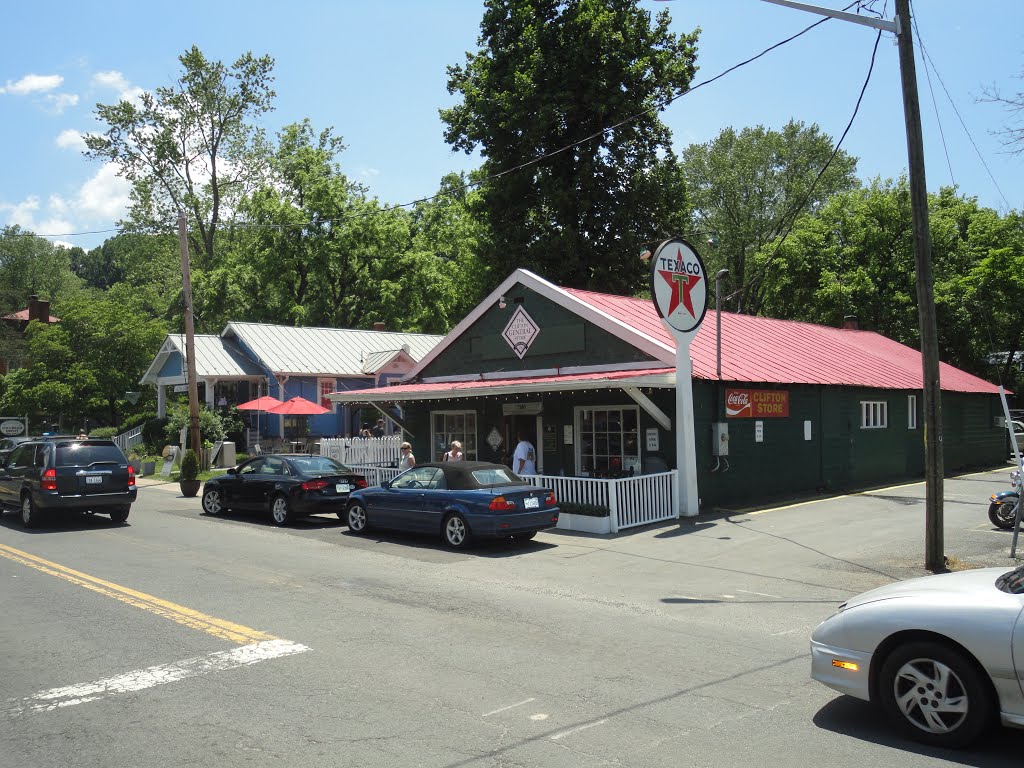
943,655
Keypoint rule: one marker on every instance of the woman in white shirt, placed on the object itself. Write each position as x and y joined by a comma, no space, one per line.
408,461
455,454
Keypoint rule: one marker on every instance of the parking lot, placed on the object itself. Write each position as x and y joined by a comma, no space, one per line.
184,638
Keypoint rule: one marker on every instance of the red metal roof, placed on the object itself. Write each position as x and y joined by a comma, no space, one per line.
761,349
23,315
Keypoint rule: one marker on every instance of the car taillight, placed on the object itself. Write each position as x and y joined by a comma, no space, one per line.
49,480
360,482
501,504
131,476
314,485
550,500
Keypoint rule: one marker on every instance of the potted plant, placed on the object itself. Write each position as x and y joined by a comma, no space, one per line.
148,466
188,478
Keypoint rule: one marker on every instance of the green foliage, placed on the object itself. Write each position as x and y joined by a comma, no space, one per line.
130,422
32,265
589,510
210,426
154,433
190,145
747,187
189,465
548,75
103,433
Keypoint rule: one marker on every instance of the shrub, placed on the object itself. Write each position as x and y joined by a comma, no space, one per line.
210,426
153,434
590,510
103,433
130,422
189,466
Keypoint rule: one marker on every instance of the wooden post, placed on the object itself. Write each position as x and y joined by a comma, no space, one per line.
194,439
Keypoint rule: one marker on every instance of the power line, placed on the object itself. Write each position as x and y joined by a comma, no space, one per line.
795,211
920,42
657,108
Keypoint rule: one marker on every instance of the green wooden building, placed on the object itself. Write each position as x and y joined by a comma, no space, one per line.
590,379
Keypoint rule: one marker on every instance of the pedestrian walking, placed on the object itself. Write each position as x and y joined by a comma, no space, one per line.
455,452
408,460
524,460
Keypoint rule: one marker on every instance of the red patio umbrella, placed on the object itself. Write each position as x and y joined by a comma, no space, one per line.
264,403
298,406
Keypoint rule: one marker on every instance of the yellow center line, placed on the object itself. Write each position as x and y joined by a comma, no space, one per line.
225,630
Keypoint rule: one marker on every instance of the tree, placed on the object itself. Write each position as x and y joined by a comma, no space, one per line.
550,74
1013,133
83,365
746,188
190,146
32,265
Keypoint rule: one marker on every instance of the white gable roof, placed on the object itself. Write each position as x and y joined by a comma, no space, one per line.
324,351
216,358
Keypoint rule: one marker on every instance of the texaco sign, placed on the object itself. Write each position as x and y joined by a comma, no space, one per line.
679,285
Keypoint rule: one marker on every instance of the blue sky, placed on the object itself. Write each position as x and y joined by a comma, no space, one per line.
375,72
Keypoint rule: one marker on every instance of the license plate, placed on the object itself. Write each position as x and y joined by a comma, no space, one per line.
532,503
93,479
342,488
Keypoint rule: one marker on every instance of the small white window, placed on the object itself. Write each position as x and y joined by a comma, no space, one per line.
874,414
911,411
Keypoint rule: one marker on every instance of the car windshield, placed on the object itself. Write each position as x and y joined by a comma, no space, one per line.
497,476
314,464
82,453
1012,582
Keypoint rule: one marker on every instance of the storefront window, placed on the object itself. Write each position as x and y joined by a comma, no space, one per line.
609,441
453,425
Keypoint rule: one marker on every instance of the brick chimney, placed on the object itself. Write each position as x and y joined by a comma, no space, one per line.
38,309
379,326
850,323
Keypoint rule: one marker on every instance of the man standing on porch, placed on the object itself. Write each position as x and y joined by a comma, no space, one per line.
524,460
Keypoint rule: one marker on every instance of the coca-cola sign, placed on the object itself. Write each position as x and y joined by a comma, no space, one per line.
756,403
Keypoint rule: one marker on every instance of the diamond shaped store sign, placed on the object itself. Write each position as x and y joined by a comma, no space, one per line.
520,332
494,439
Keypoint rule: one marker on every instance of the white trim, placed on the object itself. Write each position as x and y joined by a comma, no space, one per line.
648,405
874,414
571,370
911,411
320,392
578,437
447,442
656,349
387,395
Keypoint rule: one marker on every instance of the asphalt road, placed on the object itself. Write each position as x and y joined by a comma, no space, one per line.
181,639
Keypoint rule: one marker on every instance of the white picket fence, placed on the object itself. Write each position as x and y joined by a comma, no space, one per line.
632,501
363,452
374,475
126,440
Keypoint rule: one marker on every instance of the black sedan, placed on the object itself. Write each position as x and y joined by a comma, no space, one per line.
287,486
457,501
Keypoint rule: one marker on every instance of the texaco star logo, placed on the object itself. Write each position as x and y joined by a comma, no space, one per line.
679,285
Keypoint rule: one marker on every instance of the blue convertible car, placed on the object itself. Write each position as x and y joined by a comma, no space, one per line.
457,500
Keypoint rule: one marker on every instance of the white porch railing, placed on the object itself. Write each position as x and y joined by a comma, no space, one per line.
128,439
363,451
631,501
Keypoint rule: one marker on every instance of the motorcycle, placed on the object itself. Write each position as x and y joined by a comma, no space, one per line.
1002,510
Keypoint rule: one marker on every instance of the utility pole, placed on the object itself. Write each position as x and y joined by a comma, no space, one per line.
934,556
194,439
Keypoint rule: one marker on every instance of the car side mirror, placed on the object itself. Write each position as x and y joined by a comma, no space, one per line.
386,484
232,471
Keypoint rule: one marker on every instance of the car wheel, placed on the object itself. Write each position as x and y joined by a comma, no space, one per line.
356,518
29,513
524,536
936,694
1003,515
213,502
120,514
456,532
279,510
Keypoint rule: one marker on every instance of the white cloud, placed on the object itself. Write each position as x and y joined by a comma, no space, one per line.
105,196
63,244
70,139
32,84
61,101
115,81
99,202
111,79
369,173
